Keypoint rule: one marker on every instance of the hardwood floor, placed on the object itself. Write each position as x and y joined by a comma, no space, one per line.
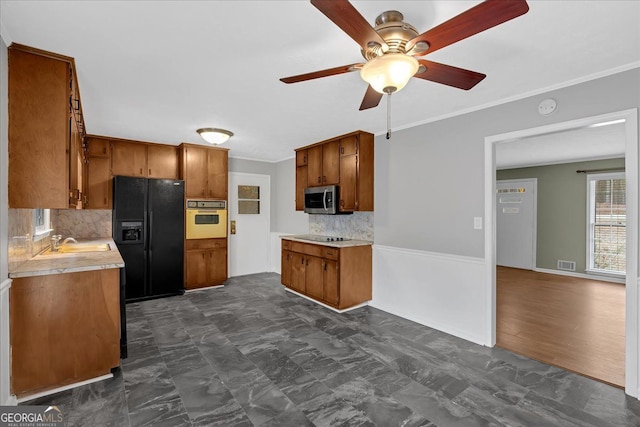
573,323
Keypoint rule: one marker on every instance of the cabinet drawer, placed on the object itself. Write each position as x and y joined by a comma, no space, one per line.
205,244
286,244
306,248
331,253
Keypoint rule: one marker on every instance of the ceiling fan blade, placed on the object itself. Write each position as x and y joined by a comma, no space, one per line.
322,73
448,75
485,15
345,16
371,99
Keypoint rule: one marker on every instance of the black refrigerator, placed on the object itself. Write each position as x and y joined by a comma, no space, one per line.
148,229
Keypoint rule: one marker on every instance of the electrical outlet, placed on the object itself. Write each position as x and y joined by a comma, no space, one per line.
477,222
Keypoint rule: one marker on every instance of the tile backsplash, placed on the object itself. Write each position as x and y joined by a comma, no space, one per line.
358,225
81,224
21,244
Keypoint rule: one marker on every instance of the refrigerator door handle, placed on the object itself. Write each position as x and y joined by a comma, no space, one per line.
150,230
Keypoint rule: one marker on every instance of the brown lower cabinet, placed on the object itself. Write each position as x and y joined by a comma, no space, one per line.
339,277
205,262
65,328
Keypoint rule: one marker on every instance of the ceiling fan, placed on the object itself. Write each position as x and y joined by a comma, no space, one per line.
391,46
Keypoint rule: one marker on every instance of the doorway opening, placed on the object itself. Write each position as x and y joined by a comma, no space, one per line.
629,118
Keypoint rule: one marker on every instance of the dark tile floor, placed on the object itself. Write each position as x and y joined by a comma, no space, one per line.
250,354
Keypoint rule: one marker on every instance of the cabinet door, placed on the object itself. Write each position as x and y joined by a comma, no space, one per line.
196,268
349,145
313,279
314,164
348,175
301,184
98,189
38,129
331,163
195,173
285,269
217,266
64,328
331,284
301,158
128,159
162,161
98,147
217,179
297,272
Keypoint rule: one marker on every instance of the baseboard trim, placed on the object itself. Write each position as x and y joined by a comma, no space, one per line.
580,275
206,288
64,388
325,305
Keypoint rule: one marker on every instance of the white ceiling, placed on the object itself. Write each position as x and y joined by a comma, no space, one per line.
158,70
575,145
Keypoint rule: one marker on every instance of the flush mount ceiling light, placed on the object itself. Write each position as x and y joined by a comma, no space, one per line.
214,135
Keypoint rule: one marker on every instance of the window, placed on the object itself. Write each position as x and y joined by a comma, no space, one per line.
607,226
41,224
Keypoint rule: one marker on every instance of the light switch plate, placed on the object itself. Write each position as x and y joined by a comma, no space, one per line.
477,222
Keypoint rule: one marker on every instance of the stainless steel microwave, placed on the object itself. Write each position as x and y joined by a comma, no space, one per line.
322,200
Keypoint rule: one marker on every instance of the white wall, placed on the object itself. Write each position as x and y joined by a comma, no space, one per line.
288,220
429,186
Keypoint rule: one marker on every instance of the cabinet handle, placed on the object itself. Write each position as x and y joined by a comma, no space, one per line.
149,171
307,261
319,180
341,150
324,265
302,261
305,159
140,171
105,201
104,150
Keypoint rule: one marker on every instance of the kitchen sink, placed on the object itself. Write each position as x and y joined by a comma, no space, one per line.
73,248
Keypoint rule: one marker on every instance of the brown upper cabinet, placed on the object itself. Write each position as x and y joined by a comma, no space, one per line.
323,164
346,161
98,174
162,161
128,159
205,171
108,157
46,130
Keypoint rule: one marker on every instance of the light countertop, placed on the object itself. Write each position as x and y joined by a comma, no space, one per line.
309,238
42,265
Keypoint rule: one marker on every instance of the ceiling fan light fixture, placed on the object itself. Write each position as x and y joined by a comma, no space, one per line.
390,72
214,135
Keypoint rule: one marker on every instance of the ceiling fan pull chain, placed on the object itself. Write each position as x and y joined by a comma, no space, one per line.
389,115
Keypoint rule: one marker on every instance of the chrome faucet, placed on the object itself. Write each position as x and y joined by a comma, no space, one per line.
67,240
55,242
